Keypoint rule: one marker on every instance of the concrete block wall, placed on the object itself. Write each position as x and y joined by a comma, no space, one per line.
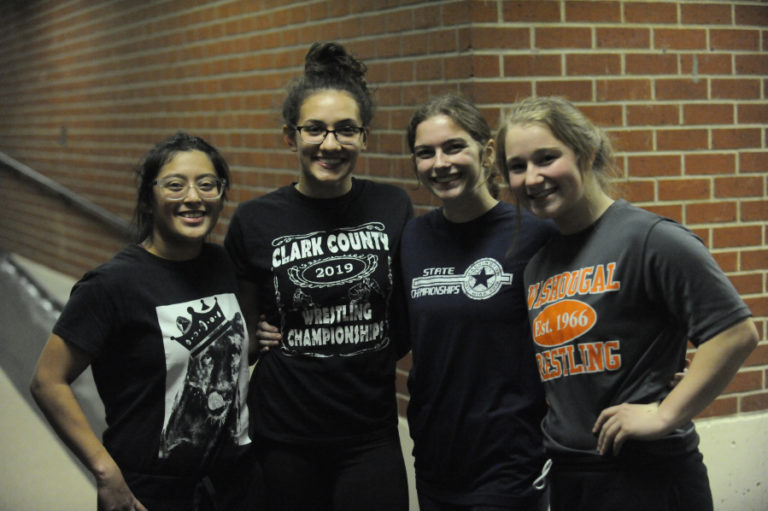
87,87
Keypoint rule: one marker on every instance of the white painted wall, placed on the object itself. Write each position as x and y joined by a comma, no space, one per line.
735,451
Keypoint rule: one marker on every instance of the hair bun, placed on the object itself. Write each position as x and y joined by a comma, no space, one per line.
329,60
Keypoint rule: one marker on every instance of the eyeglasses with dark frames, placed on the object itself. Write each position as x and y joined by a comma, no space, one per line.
316,133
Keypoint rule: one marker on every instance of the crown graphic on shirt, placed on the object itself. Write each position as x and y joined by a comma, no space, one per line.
200,328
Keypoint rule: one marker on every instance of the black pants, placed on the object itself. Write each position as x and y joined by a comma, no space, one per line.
428,504
234,486
340,478
678,483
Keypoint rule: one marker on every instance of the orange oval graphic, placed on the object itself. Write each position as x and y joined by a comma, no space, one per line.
562,322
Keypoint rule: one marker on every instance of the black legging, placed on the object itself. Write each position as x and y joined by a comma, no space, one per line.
367,476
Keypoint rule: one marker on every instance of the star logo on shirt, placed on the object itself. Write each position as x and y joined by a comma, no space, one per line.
484,278
481,279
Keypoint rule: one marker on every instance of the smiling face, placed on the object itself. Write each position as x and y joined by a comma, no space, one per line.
545,177
180,226
326,168
449,163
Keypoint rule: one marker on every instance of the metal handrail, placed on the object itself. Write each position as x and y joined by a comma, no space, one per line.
66,194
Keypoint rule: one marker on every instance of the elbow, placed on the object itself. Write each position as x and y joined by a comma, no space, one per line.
749,339
36,387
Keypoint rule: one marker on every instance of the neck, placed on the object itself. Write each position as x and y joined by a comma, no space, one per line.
591,211
460,211
324,190
172,251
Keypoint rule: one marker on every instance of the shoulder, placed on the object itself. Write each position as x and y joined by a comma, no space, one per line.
622,212
421,222
384,190
117,274
270,199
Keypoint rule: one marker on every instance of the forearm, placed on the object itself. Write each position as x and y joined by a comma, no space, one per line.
60,406
714,365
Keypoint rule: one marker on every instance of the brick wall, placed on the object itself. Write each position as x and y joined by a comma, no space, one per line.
87,87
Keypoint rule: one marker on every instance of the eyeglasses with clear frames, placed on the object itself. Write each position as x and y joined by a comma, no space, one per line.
316,133
208,188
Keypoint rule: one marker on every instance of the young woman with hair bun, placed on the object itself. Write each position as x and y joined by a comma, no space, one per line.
317,259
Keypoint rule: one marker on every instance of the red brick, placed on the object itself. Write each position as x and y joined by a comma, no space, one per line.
562,37
533,65
484,12
754,211
486,66
679,39
739,187
708,114
414,44
681,139
443,41
458,67
593,11
650,12
500,38
734,138
754,260
719,407
699,64
735,88
530,11
747,284
632,140
709,163
636,191
757,305
686,189
673,211
633,89
504,91
727,261
745,381
758,357
741,236
573,90
751,15
654,165
603,115
592,64
754,64
650,64
428,69
680,89
734,39
705,14
710,212
751,113
624,38
753,161
754,402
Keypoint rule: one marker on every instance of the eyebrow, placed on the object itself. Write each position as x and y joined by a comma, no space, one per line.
342,121
449,141
182,176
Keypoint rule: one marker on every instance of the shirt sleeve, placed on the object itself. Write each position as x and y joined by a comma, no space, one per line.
682,274
234,243
88,317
